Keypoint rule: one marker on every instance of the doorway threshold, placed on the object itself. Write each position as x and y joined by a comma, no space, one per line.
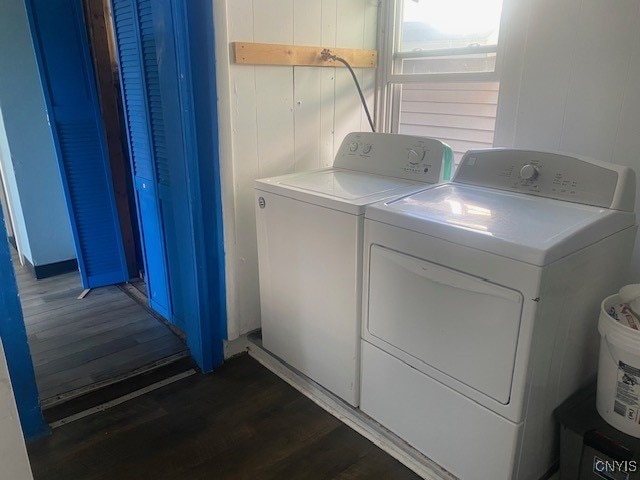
110,394
56,400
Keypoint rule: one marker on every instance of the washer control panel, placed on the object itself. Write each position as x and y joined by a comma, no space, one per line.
395,155
544,174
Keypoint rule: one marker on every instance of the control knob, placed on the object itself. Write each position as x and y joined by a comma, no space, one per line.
415,156
529,172
353,146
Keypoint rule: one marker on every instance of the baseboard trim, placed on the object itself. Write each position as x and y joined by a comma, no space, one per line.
49,270
352,417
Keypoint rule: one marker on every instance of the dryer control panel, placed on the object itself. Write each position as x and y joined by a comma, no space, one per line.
409,157
552,175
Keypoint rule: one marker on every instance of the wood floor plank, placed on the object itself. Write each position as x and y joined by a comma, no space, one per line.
242,422
69,298
110,364
374,465
134,357
271,442
85,322
61,359
139,332
149,333
94,335
73,312
75,343
32,314
324,458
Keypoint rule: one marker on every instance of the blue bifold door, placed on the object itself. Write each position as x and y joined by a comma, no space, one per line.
165,50
165,55
140,85
66,70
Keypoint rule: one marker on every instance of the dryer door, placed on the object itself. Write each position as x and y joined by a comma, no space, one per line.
463,326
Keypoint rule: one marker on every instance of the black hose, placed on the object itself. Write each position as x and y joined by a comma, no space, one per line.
353,74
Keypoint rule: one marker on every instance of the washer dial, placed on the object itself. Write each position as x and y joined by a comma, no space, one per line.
529,172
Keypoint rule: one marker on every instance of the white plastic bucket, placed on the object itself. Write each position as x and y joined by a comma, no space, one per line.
618,396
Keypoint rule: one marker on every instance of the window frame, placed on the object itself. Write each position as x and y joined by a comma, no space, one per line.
388,94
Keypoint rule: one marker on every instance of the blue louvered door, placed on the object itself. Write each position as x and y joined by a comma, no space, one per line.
172,162
133,21
62,51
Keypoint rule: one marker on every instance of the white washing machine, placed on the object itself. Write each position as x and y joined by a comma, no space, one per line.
309,228
480,305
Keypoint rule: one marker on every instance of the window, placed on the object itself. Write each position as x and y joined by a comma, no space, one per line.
446,36
461,114
439,63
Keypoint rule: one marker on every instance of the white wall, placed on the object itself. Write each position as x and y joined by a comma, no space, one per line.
13,453
16,218
27,151
571,81
275,120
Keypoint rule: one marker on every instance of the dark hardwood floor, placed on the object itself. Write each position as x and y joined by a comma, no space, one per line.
75,343
241,422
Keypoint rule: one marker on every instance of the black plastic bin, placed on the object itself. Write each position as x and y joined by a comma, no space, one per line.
590,448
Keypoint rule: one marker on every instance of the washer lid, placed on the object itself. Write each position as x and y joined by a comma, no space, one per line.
523,227
337,188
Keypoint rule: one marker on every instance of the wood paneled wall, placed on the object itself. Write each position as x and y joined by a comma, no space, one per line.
278,119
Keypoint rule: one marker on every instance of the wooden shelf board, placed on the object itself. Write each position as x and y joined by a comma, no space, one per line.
273,54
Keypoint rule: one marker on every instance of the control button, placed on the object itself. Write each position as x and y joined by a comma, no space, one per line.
366,148
353,146
529,172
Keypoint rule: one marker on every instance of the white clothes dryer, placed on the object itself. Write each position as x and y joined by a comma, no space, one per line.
481,301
